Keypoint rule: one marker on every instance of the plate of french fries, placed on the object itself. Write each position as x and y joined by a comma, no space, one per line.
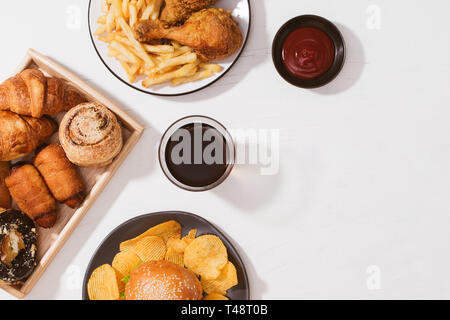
165,68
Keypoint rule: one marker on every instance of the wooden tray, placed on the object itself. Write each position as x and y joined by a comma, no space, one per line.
51,240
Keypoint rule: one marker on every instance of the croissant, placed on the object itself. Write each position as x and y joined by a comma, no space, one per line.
60,175
31,194
20,135
5,198
31,93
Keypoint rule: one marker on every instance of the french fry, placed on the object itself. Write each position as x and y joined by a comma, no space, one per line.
136,44
180,51
133,14
176,45
125,8
129,46
131,71
110,21
135,68
100,30
123,50
116,7
104,39
159,49
137,54
122,58
189,57
203,74
161,57
127,30
147,12
185,71
104,6
140,4
113,52
211,66
118,55
156,9
101,20
126,67
108,38
118,37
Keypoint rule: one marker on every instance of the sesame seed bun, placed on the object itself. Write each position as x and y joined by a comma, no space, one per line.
162,280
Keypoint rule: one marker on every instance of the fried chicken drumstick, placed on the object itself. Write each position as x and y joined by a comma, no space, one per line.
212,33
178,11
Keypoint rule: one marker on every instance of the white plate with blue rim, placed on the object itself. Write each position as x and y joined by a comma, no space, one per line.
240,10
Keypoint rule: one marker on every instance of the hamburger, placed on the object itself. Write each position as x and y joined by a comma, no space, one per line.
162,280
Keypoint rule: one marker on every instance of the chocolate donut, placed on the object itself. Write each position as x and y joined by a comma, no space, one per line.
18,246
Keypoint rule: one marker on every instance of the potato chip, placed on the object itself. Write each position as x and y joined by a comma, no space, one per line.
226,280
187,241
150,248
206,256
192,234
125,261
103,284
189,237
215,296
174,257
166,230
177,245
175,251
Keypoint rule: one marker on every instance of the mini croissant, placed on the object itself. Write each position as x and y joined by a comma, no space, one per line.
20,135
31,194
31,93
5,198
60,175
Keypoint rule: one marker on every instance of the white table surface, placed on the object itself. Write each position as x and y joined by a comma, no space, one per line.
359,208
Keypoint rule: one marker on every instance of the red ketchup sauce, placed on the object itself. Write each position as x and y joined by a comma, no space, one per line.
308,53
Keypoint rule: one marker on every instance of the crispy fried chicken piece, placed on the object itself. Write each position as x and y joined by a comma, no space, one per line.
212,33
178,11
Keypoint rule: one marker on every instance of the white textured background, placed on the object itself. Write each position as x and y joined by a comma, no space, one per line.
360,207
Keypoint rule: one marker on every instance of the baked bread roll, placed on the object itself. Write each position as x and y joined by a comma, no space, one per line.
5,198
31,194
31,93
20,135
60,175
162,280
90,135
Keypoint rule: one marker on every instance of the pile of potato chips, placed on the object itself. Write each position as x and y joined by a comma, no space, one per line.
206,256
158,63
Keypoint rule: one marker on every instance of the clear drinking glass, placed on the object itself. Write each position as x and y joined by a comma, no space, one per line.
205,122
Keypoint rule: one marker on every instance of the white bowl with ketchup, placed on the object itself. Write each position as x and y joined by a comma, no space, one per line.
308,51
